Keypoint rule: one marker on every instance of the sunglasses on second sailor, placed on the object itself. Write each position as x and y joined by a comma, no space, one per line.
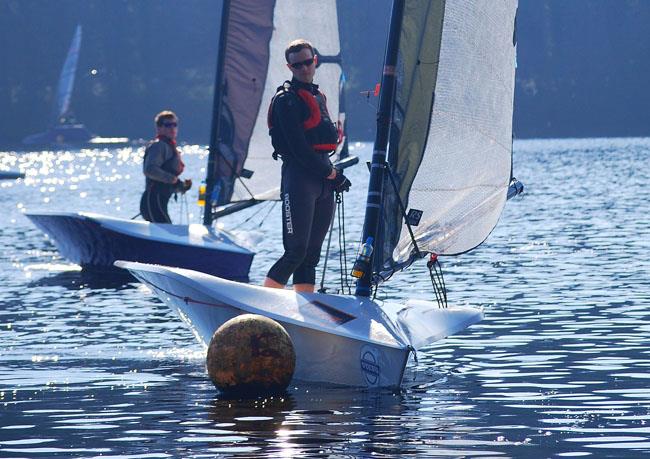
170,125
306,63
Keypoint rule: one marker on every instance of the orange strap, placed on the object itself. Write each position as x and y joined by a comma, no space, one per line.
324,146
314,109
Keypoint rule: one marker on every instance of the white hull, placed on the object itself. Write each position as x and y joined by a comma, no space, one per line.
344,340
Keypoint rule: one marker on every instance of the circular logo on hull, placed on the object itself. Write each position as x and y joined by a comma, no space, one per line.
370,365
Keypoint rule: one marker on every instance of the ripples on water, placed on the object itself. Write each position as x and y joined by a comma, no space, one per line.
93,366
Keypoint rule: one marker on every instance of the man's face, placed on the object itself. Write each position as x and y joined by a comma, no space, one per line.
303,65
169,128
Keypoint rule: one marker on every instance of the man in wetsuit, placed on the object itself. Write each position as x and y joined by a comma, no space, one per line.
162,166
303,135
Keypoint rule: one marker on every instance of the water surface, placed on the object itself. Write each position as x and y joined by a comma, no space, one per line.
95,366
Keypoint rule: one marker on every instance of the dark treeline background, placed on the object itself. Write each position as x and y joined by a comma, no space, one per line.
583,65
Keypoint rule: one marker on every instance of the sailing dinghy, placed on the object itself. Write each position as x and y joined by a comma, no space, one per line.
344,340
65,130
95,241
446,103
241,171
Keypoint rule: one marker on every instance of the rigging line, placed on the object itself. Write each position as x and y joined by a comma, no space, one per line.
251,217
433,274
441,280
401,206
180,211
232,170
186,299
342,271
441,284
271,207
437,281
343,247
245,187
322,288
184,206
436,291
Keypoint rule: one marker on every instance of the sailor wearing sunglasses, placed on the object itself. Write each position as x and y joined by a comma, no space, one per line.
162,167
303,136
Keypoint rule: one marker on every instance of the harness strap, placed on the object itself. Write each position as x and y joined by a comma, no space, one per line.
314,110
307,97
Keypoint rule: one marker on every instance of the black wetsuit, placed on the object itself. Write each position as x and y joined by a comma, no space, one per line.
307,196
162,164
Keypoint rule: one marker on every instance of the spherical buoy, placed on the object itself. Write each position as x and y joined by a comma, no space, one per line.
251,354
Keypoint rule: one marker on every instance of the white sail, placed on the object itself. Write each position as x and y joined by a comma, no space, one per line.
451,139
66,79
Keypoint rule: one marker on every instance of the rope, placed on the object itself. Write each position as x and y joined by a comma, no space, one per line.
343,258
232,169
322,288
437,281
401,206
183,206
339,210
271,207
186,299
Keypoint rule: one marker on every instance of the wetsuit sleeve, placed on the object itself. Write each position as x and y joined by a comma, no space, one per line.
287,117
154,157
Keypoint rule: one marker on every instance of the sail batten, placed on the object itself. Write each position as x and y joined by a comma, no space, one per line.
451,149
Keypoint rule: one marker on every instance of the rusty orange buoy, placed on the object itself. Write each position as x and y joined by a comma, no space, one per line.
251,354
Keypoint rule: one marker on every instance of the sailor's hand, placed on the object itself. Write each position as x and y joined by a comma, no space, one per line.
181,186
341,182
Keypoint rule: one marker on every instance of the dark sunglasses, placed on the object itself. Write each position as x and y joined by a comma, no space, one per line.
306,63
168,125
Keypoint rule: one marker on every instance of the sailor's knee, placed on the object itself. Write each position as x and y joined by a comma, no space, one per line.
297,252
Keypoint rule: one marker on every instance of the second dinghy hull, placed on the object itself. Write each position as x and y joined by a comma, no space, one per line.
95,242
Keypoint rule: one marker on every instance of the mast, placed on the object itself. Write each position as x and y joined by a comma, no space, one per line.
384,114
216,116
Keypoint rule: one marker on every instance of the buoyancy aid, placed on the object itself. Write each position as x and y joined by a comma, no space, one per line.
320,131
173,165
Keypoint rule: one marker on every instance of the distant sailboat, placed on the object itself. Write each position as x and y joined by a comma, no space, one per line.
65,129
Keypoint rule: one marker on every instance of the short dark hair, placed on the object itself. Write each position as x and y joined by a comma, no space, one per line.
296,45
165,115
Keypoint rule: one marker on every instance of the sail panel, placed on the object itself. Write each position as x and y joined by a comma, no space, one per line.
457,62
66,79
245,66
320,27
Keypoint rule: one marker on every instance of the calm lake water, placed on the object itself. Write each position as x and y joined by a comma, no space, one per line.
92,366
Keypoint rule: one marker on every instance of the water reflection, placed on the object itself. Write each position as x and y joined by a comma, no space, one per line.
83,279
